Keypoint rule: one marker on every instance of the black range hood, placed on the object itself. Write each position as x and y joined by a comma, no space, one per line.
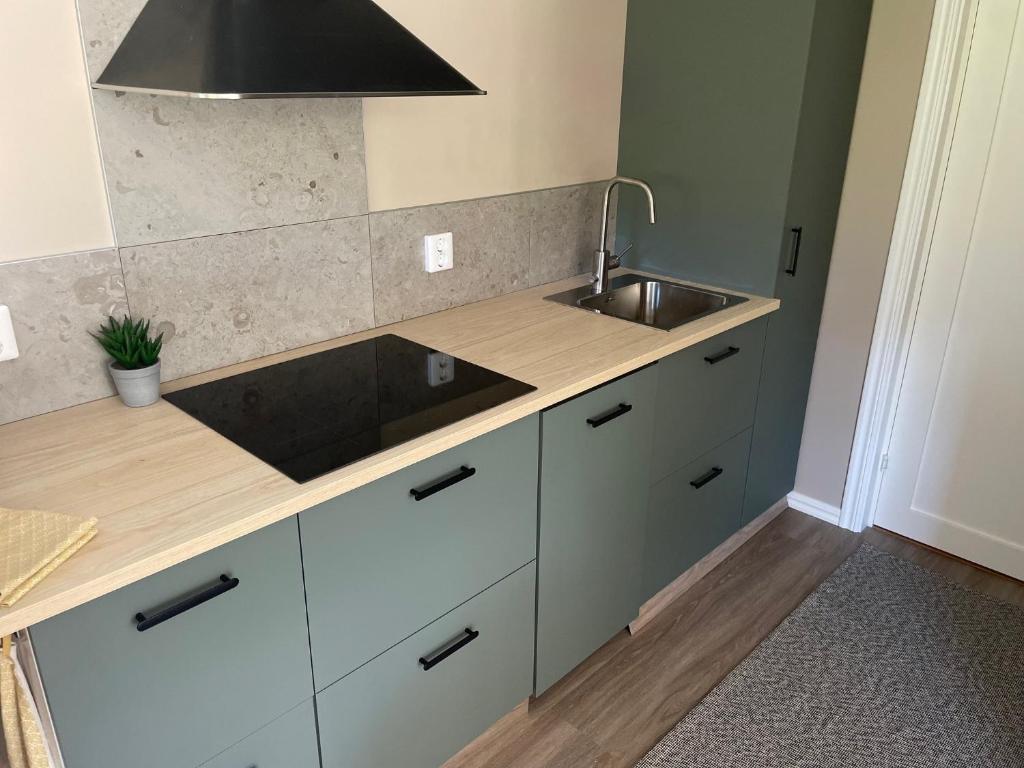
265,49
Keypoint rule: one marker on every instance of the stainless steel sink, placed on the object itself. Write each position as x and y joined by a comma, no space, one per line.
655,303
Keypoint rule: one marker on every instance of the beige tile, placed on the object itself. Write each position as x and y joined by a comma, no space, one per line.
229,298
491,241
180,167
564,232
54,302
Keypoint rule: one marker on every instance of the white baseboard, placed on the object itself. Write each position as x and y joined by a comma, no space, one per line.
814,508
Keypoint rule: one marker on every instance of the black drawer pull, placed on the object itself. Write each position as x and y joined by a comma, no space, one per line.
703,480
722,355
464,473
794,256
226,584
622,410
469,635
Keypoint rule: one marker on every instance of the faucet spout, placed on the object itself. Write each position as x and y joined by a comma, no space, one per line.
603,259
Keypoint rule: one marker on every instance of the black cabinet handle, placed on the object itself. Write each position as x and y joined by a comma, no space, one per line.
464,473
794,255
469,635
226,584
622,410
722,355
703,480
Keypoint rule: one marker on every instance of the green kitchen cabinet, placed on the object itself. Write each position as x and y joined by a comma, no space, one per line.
739,115
170,671
421,701
693,510
595,462
706,394
819,165
381,563
288,742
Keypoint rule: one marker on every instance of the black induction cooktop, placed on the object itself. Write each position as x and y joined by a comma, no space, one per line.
311,415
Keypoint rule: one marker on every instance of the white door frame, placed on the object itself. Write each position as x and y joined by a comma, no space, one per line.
941,87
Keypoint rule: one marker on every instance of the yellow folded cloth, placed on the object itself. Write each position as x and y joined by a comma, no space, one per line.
22,726
32,544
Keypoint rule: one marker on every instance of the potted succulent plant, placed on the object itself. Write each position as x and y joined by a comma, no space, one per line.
135,367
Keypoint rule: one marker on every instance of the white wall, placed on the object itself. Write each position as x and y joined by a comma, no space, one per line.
894,60
553,72
52,197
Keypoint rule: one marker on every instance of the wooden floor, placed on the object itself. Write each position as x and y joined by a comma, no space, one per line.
613,708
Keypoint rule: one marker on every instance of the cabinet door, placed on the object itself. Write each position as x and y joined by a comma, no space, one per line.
181,691
706,394
288,742
711,97
423,700
595,455
693,510
380,564
826,121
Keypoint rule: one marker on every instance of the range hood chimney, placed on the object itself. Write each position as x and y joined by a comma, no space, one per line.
266,49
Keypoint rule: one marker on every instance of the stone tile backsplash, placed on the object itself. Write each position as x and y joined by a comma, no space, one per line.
180,168
228,298
565,228
54,303
491,256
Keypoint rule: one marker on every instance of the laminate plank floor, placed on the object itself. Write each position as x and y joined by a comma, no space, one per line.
615,706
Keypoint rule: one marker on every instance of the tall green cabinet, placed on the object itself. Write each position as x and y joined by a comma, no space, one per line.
739,114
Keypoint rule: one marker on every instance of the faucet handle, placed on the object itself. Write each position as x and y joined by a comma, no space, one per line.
614,262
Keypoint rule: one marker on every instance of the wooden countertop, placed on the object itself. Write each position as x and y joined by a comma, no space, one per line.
166,488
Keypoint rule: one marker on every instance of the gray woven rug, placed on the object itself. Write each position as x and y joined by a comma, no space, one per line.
885,665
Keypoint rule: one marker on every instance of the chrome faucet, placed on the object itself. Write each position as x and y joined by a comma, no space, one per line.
603,258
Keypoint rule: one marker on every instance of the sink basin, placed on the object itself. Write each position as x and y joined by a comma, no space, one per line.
647,301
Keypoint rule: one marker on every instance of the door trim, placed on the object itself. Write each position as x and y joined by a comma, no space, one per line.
938,102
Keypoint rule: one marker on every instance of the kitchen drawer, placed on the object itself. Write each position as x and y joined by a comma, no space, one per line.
684,522
594,484
184,690
701,404
380,565
288,742
394,713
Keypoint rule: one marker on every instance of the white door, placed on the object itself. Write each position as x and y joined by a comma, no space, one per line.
955,474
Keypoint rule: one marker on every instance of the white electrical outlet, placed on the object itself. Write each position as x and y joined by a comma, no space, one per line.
8,344
440,369
439,252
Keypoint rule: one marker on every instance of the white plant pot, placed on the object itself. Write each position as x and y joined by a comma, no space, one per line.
137,387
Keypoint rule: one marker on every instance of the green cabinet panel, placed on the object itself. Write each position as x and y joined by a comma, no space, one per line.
711,99
288,742
739,114
819,167
184,690
706,394
380,565
593,503
685,522
393,713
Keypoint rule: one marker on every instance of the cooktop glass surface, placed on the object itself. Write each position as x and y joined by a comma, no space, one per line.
314,414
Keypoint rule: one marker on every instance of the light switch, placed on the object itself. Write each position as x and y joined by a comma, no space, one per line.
8,344
438,252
